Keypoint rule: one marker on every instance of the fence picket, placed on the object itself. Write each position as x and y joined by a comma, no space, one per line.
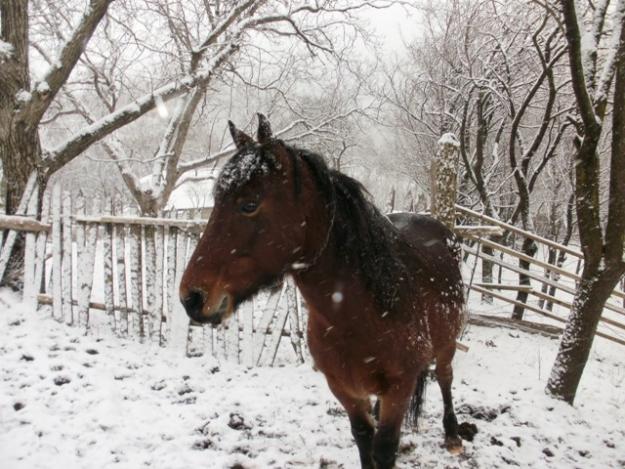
30,288
291,298
169,235
136,290
231,337
120,236
57,255
157,312
40,251
86,249
276,334
150,265
269,310
246,316
67,258
108,260
196,335
181,240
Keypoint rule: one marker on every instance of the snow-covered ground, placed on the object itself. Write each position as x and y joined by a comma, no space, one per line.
74,401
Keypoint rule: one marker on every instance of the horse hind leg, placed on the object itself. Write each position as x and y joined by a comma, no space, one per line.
444,376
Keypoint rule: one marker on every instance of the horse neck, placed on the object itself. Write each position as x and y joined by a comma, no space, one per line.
329,283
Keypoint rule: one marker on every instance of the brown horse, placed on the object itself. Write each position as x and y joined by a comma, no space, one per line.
384,297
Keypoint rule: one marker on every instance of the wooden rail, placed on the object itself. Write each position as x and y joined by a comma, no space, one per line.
535,276
537,262
540,311
144,221
22,223
514,229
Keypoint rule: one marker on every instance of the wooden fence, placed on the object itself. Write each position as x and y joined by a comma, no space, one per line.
122,271
551,288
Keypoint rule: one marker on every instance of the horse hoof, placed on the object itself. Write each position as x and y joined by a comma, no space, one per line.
453,445
467,431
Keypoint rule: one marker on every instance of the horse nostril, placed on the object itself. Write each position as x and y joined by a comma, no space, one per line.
193,303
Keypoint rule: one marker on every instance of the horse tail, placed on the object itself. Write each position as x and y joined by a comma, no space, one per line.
416,401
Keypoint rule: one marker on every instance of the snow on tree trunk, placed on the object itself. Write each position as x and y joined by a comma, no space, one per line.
444,181
602,243
578,336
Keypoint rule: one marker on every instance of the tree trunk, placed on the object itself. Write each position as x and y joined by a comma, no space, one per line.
528,248
19,143
18,162
20,153
594,290
487,272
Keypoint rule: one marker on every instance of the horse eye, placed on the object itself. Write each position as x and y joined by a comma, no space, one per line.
249,208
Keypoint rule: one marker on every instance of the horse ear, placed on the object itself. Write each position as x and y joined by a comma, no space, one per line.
264,133
240,138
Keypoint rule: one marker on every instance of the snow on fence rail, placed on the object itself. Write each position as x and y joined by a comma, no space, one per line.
123,271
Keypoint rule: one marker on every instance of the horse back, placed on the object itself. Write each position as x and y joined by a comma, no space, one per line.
434,246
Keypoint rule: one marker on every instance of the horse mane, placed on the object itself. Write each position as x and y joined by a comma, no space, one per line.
367,240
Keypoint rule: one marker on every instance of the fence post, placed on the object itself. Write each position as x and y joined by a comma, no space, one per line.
444,180
86,241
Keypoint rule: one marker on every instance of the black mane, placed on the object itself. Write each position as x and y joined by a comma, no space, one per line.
363,236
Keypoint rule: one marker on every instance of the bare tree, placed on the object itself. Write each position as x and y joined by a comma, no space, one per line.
489,72
232,25
595,77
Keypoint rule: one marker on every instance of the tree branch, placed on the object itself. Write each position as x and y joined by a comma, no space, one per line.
59,72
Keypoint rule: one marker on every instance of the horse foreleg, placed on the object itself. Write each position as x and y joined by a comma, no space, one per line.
393,407
444,376
359,412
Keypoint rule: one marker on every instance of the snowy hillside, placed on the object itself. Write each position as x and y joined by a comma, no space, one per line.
72,401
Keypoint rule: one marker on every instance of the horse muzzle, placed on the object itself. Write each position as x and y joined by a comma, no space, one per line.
204,312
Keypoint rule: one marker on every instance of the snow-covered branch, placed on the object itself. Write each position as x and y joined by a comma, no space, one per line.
58,72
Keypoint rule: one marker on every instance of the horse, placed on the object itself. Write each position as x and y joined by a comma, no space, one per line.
384,294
